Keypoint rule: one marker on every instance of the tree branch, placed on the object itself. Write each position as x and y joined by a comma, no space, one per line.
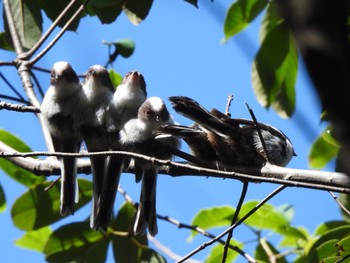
322,180
260,204
17,107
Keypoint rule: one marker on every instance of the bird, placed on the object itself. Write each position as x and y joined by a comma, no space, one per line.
137,136
92,116
126,100
217,137
58,107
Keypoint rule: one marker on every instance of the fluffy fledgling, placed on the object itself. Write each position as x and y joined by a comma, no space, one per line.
127,98
137,136
92,116
58,108
216,137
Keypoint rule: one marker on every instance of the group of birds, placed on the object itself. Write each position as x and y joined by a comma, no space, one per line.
123,118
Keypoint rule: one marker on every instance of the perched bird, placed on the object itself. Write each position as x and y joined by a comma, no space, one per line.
58,107
92,116
216,137
137,136
127,98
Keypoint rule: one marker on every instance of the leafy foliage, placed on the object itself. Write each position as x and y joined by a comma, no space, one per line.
20,175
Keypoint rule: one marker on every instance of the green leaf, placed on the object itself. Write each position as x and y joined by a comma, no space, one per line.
125,47
240,14
263,251
54,8
212,217
27,20
150,255
116,78
2,200
266,217
319,248
193,2
20,175
76,242
275,67
126,248
37,208
327,250
215,254
323,150
35,240
343,246
293,236
327,226
106,10
5,42
137,10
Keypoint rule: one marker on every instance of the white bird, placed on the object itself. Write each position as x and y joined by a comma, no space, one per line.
128,97
92,117
58,107
137,135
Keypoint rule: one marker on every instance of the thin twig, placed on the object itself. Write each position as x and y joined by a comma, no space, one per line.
43,38
12,27
59,35
14,99
339,203
206,234
37,83
260,204
167,251
228,105
11,86
41,69
177,223
259,132
18,107
234,219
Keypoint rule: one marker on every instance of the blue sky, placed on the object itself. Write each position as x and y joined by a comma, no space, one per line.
178,50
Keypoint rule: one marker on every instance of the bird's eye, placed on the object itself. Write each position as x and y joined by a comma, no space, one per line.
149,113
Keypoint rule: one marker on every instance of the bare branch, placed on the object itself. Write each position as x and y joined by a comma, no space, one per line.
234,219
322,180
228,105
11,86
43,38
14,99
340,204
260,204
17,107
167,251
59,35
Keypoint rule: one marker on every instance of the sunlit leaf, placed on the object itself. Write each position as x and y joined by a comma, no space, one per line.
28,21
240,14
126,248
343,246
2,200
320,247
212,217
266,217
137,10
54,8
20,175
275,67
76,242
35,240
292,236
327,226
264,250
215,254
116,78
323,150
37,208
